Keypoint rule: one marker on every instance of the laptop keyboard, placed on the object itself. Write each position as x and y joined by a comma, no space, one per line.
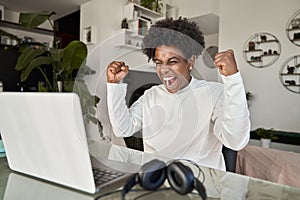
103,175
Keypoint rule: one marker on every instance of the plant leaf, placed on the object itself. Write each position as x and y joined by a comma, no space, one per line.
37,62
57,54
84,70
42,88
74,55
88,101
32,20
91,118
26,57
68,86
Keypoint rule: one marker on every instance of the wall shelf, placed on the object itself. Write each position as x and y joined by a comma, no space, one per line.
256,50
139,19
290,74
129,39
17,26
267,41
262,50
293,28
131,7
294,74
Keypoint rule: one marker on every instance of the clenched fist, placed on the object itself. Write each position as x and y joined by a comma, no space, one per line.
116,71
226,63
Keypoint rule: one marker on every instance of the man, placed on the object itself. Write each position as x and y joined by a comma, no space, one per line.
183,117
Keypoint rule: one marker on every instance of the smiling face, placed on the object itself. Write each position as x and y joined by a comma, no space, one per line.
172,68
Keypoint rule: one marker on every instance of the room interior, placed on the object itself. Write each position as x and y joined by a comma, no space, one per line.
234,24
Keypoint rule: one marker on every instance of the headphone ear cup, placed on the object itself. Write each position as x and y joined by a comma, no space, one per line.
152,174
180,177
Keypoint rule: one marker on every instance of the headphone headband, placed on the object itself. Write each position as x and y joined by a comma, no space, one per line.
153,174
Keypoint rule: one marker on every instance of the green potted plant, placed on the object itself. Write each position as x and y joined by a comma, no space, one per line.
249,96
63,62
155,5
266,136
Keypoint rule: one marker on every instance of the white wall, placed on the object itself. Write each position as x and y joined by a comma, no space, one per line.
195,8
105,16
273,105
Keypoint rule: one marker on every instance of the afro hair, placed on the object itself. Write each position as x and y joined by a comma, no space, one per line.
182,34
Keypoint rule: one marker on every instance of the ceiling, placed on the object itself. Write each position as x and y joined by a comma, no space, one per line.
60,7
208,23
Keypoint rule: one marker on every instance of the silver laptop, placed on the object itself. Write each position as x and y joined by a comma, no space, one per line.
44,136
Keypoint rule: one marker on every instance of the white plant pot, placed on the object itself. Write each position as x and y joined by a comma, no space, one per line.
1,146
60,86
266,143
2,150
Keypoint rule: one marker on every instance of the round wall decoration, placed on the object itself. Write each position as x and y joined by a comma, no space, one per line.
293,28
262,50
290,74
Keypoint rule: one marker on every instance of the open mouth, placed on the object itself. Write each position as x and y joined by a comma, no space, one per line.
169,81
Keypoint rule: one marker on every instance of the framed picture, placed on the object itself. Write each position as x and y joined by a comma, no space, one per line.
89,35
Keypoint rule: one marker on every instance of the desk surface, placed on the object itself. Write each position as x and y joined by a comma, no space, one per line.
218,184
269,164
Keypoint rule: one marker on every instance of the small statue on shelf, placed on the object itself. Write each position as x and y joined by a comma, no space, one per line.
295,23
263,38
290,82
251,46
290,69
270,51
255,58
124,23
296,36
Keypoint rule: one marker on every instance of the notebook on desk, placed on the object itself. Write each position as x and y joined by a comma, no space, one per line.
44,136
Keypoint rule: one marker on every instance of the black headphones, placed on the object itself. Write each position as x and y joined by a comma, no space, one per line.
153,174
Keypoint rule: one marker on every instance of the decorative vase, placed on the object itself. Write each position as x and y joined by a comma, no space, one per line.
2,150
60,86
124,25
266,143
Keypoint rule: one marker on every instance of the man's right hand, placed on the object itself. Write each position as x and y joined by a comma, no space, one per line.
116,71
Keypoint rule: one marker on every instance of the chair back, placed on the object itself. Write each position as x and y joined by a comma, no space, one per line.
230,157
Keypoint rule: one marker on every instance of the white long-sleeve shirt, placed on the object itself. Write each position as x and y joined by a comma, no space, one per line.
191,124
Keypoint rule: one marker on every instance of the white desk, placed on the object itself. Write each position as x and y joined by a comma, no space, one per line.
228,186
